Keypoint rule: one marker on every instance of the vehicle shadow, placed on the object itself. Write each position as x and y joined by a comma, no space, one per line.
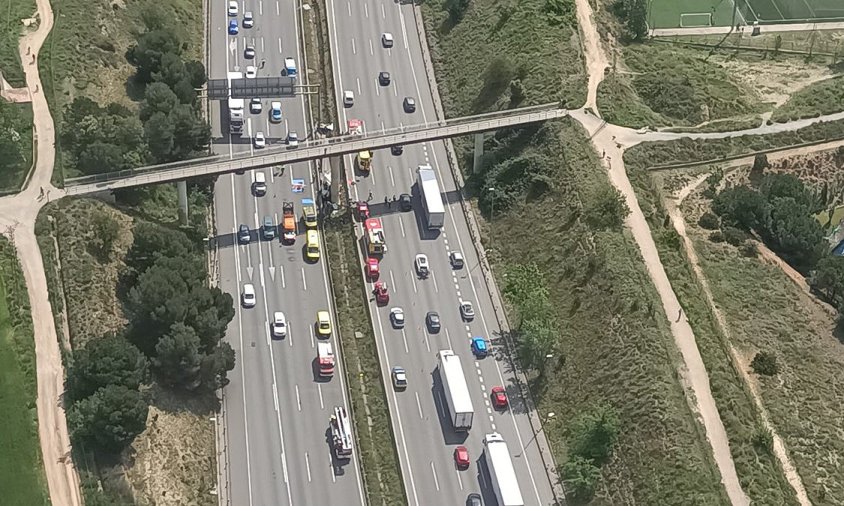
425,233
487,492
450,436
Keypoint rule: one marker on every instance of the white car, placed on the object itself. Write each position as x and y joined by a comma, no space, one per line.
387,39
422,267
292,139
248,19
397,317
247,298
456,259
251,72
348,98
255,106
233,8
279,324
260,140
467,311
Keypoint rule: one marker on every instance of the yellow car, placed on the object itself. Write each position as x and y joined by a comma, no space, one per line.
323,323
312,250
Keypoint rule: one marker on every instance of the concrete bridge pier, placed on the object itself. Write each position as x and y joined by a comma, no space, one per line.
182,190
478,153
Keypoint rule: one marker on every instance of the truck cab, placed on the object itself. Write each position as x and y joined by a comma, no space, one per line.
288,222
325,359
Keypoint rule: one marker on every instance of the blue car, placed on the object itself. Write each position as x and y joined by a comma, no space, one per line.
479,347
233,27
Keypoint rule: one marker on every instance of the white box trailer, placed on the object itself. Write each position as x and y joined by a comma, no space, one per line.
235,106
501,472
432,201
456,391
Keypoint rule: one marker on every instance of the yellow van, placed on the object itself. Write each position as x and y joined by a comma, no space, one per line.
313,245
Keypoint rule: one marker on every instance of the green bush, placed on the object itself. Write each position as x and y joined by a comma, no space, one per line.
765,363
749,249
709,221
763,439
735,236
716,236
581,477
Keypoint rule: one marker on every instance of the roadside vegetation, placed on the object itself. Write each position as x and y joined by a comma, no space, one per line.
17,17
505,54
15,144
375,438
786,339
759,471
21,470
824,97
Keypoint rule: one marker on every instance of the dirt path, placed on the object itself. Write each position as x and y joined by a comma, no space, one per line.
596,60
17,219
673,208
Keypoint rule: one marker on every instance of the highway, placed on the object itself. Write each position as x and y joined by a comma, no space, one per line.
424,435
276,411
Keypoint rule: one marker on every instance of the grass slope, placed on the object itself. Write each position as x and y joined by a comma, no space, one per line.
21,473
825,97
13,169
503,40
12,14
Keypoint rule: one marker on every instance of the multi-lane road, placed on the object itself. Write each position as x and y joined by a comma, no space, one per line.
426,440
276,411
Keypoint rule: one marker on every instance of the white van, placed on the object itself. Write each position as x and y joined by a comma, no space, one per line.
260,185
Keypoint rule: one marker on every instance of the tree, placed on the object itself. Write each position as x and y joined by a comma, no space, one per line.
581,477
12,150
215,367
709,221
760,163
158,97
210,314
147,54
109,419
741,206
159,133
536,338
106,230
594,433
196,73
110,360
795,235
153,241
456,9
99,157
178,357
191,133
828,278
517,92
777,186
636,12
605,209
765,363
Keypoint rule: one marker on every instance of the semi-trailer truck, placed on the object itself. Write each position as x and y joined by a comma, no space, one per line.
432,201
501,472
456,391
235,107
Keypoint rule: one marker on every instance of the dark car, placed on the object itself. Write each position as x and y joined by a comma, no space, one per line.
396,150
268,228
244,235
474,500
405,203
432,319
409,104
384,78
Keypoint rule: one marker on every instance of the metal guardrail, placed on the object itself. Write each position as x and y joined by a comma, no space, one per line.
333,146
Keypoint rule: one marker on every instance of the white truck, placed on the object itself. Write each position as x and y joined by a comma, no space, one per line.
456,391
501,472
235,107
432,201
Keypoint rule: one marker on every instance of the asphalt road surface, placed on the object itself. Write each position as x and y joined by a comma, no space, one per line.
276,409
426,441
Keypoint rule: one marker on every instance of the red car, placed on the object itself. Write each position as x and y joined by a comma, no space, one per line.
372,269
499,398
381,294
461,457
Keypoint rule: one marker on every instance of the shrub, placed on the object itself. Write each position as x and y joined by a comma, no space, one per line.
749,249
763,439
716,236
735,236
709,221
581,477
765,363
594,432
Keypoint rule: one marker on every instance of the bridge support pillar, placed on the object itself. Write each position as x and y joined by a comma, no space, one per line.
182,190
478,153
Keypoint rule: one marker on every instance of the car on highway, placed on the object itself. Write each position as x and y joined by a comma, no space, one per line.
312,247
384,78
260,140
279,324
474,500
479,347
248,19
233,27
259,187
432,320
249,53
292,139
405,202
251,72
255,106
233,8
461,457
382,296
396,150
456,259
387,39
323,323
348,98
422,266
467,311
399,378
409,104
397,317
372,268
268,228
247,298
499,397
244,235
275,112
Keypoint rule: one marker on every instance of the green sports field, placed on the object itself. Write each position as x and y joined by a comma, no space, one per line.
697,13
